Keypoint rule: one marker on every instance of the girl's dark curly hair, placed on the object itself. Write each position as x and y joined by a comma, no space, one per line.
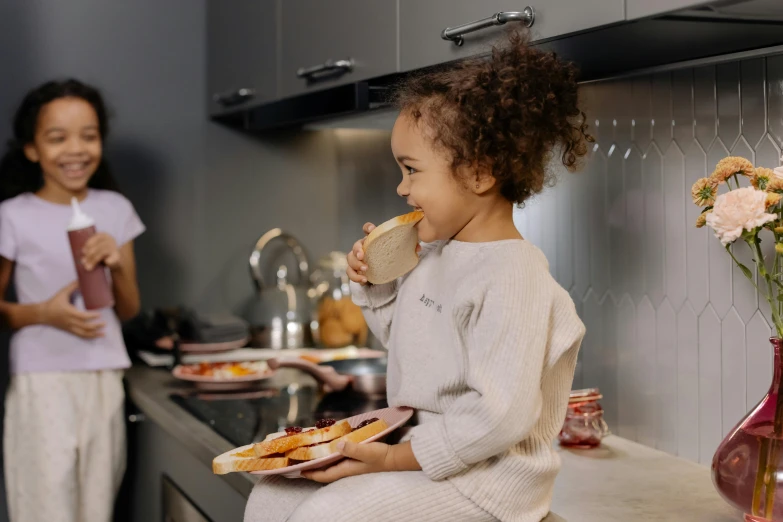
505,114
18,174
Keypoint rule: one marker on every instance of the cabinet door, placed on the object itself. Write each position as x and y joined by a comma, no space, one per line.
421,24
328,43
642,8
241,53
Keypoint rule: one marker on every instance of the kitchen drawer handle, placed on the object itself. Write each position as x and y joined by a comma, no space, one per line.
455,34
329,66
228,99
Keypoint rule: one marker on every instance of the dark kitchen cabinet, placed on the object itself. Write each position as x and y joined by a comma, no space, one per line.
328,43
241,53
421,24
643,8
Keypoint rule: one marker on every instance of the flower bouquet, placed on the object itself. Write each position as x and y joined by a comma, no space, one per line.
747,468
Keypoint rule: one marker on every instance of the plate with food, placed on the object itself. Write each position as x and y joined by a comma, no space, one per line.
299,449
223,376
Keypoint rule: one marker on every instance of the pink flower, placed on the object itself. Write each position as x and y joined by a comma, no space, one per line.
738,210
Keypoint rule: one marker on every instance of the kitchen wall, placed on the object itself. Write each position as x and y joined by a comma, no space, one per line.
677,337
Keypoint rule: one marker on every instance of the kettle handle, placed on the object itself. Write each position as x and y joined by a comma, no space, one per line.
303,264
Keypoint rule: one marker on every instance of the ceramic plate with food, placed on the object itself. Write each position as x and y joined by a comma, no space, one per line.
300,449
223,375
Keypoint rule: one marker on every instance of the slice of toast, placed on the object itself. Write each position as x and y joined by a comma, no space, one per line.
305,438
244,459
327,448
390,249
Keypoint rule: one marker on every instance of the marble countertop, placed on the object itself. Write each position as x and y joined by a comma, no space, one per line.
626,481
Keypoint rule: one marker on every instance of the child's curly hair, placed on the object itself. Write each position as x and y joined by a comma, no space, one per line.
505,114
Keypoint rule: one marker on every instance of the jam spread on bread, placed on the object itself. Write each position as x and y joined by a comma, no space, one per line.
366,423
325,423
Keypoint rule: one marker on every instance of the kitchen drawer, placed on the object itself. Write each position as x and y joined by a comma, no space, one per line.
241,53
340,32
421,23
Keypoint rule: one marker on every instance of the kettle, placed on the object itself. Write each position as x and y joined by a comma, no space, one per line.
280,313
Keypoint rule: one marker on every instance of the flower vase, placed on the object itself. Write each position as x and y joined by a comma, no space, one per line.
747,469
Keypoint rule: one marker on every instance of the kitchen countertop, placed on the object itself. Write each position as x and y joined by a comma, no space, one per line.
619,481
623,480
150,390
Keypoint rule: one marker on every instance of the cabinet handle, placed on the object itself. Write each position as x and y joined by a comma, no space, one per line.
230,98
329,66
455,34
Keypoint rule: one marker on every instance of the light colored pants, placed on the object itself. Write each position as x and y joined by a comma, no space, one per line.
64,446
381,497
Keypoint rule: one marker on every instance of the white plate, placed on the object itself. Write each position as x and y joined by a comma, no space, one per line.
394,417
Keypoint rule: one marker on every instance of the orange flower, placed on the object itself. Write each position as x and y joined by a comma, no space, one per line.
775,185
728,167
761,177
704,191
773,198
702,219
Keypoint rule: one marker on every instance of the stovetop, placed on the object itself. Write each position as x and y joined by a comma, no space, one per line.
246,417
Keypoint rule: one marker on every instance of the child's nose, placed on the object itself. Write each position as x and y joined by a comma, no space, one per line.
75,145
404,188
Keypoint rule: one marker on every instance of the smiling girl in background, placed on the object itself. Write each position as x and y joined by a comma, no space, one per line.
64,438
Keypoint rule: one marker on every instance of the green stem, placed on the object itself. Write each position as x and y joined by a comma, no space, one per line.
770,457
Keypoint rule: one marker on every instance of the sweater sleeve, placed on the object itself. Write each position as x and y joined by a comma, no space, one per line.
506,332
377,304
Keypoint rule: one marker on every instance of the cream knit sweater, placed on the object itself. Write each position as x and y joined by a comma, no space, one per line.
483,343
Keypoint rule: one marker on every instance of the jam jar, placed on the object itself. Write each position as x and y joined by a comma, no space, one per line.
584,425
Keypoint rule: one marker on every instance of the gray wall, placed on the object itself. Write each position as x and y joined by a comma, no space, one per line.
676,337
153,83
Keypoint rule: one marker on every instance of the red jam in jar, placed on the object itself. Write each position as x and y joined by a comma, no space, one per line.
584,425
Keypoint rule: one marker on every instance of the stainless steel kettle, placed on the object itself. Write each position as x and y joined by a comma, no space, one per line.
280,313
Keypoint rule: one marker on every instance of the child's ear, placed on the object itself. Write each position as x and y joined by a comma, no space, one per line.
484,182
30,153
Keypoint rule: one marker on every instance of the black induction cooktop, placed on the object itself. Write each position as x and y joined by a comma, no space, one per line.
246,417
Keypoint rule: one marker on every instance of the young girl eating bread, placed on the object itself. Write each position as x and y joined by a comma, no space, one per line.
482,341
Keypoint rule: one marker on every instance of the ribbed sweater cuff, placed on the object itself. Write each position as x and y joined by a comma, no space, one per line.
433,451
373,296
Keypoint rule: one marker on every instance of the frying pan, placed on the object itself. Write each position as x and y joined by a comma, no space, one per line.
366,375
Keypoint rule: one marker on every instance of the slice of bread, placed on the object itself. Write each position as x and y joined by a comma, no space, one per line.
244,459
390,249
327,448
305,438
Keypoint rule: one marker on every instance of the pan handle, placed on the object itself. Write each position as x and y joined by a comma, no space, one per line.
324,374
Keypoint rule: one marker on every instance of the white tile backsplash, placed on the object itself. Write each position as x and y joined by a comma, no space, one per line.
677,339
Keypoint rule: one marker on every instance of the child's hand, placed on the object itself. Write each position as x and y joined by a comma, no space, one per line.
356,267
60,313
373,457
101,248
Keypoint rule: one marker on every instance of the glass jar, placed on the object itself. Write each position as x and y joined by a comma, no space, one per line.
338,321
584,425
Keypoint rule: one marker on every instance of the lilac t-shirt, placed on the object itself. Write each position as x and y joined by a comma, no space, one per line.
33,234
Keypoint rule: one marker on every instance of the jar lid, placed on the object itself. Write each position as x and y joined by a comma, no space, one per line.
585,395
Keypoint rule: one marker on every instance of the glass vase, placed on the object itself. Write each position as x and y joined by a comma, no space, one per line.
747,469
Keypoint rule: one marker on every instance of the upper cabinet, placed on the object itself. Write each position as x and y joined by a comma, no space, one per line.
241,53
644,8
328,43
423,22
